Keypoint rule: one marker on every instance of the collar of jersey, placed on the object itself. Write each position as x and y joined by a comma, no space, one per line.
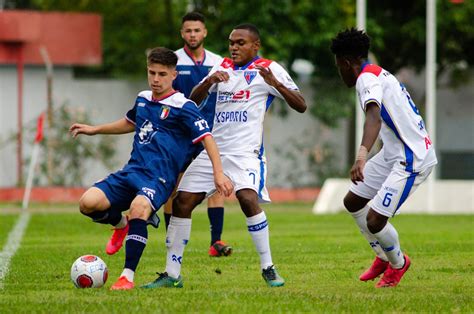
247,65
364,64
164,97
190,55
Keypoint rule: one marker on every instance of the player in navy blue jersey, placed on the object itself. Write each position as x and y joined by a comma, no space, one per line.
194,63
166,126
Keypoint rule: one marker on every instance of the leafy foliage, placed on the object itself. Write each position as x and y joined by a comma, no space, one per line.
71,156
291,29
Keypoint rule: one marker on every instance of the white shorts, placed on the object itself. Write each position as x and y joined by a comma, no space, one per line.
387,185
245,172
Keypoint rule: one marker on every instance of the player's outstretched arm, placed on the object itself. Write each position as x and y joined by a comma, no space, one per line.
294,98
372,127
223,184
199,92
121,126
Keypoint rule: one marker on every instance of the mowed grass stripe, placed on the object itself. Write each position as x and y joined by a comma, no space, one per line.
319,256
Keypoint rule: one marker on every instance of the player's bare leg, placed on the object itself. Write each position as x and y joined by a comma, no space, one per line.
140,211
215,212
357,207
177,237
257,226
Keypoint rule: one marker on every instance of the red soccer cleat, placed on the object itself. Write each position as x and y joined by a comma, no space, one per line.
116,241
220,248
122,284
378,267
392,276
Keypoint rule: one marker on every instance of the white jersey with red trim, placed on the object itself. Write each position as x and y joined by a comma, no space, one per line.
241,105
403,130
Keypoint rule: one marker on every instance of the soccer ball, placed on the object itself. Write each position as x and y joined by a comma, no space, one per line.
89,271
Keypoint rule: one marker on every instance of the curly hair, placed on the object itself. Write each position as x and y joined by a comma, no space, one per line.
351,43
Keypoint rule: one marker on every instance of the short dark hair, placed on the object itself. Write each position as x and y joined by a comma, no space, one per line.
193,16
351,43
162,55
251,28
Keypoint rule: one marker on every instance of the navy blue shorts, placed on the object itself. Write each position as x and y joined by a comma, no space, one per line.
122,187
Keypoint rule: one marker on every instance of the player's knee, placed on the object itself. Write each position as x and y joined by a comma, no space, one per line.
248,202
140,208
352,204
183,204
88,204
375,222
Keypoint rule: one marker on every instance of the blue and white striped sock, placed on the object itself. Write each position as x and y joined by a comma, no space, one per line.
135,243
388,239
258,227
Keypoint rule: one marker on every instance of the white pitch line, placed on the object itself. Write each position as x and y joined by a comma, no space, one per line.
12,244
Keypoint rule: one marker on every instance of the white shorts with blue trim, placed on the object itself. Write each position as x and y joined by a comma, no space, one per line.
245,172
388,185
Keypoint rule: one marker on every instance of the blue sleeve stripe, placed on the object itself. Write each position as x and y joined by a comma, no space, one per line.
370,100
389,122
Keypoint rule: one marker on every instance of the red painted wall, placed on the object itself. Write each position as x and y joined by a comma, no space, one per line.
70,38
72,195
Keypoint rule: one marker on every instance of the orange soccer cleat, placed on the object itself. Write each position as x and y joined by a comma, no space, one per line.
122,284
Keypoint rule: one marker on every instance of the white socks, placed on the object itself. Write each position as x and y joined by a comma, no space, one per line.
360,218
388,239
128,273
177,237
258,227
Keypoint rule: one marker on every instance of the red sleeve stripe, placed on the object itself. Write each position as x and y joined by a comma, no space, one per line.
200,138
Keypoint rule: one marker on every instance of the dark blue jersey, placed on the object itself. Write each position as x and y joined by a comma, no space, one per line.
165,133
190,74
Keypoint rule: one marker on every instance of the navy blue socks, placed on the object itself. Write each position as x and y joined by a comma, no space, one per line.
135,243
216,219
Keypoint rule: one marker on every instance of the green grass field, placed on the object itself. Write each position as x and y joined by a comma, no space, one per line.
320,257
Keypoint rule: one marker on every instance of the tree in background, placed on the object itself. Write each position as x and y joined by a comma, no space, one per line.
291,30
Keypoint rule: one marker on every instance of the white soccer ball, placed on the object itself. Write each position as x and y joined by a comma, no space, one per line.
89,271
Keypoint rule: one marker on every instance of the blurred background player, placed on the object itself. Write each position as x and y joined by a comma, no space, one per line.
194,63
166,126
246,86
380,186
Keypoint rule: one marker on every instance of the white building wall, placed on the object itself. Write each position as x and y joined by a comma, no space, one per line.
110,99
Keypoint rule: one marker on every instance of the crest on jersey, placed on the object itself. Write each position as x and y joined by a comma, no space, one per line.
146,132
165,112
249,76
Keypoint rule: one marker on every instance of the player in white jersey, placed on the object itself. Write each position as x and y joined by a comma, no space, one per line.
194,64
382,184
245,86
